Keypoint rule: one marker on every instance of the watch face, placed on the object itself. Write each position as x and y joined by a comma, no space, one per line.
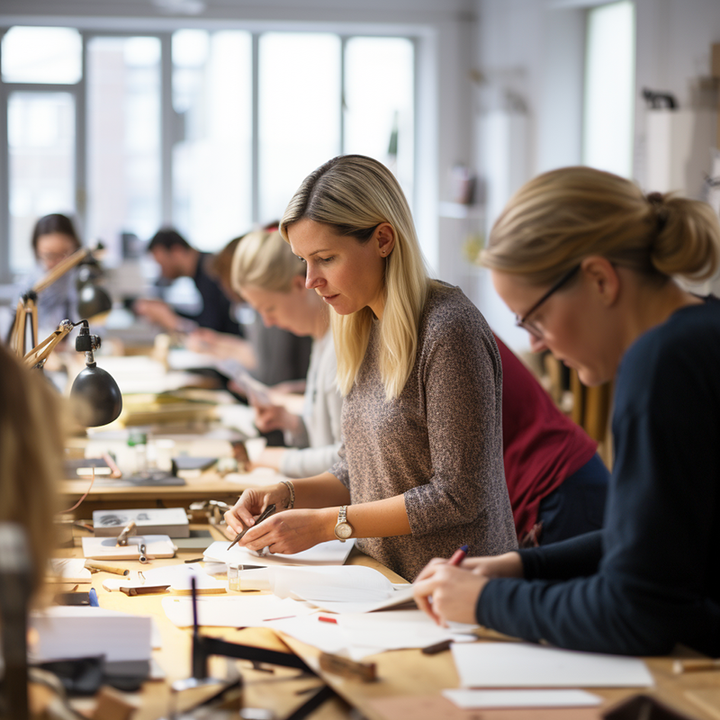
343,531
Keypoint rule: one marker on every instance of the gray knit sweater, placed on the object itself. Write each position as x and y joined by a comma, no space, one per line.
439,443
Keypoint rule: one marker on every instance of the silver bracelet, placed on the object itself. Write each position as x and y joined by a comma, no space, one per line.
291,490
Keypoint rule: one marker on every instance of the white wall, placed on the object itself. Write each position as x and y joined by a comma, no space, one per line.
533,51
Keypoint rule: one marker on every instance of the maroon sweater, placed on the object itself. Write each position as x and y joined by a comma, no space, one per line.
541,446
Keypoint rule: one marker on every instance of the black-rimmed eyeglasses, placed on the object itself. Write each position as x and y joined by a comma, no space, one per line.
529,325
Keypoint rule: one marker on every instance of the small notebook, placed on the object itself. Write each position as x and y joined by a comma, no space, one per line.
156,546
150,521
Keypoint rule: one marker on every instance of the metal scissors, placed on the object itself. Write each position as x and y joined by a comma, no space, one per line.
266,513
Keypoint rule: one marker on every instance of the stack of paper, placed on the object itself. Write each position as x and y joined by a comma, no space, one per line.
327,553
65,632
363,634
339,589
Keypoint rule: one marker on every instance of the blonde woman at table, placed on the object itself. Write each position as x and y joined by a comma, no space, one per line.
588,264
272,280
421,467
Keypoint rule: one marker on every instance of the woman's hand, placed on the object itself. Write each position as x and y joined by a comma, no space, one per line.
291,531
448,593
251,503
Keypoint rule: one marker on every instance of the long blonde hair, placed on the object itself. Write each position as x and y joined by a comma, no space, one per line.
31,447
564,215
353,194
263,259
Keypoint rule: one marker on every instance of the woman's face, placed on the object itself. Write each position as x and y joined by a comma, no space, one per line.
346,274
53,248
286,310
574,326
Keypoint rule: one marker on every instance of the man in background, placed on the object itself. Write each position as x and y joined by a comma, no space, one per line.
177,258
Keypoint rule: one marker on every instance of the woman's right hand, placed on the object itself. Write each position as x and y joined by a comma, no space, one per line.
251,503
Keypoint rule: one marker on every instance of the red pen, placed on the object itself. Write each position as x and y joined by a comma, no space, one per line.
458,556
322,618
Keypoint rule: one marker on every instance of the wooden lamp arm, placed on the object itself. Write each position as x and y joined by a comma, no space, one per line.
40,353
62,267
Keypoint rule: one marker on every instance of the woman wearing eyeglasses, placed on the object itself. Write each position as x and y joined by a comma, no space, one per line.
589,265
421,466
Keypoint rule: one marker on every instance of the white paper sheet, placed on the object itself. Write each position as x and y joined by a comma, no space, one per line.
327,553
233,611
519,665
471,699
179,578
359,635
65,570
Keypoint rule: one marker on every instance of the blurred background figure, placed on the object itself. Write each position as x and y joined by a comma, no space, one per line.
273,355
272,279
54,239
177,258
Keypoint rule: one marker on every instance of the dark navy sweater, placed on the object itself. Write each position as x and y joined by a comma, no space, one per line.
651,577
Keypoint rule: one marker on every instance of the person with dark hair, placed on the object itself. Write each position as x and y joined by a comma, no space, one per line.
589,264
274,356
54,239
177,258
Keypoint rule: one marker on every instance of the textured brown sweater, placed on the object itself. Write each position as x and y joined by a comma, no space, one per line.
439,443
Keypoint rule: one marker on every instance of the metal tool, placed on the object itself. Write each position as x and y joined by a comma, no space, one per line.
266,513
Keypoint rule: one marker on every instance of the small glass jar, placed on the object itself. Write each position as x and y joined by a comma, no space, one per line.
233,575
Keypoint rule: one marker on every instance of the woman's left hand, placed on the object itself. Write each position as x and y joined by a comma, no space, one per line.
290,531
448,593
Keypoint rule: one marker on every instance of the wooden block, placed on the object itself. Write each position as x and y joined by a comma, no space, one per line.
707,699
366,672
112,705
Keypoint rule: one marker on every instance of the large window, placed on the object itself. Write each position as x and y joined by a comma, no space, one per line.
123,139
209,131
610,88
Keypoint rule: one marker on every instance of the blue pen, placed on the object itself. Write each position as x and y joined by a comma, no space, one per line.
92,594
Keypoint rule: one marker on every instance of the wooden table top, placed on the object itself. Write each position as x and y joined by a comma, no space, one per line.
401,673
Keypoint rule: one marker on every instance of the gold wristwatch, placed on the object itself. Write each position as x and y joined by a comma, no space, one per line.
343,529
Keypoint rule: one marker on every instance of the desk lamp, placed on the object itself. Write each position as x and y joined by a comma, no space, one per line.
15,590
92,299
98,393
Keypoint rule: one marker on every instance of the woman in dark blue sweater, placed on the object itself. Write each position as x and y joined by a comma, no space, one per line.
588,263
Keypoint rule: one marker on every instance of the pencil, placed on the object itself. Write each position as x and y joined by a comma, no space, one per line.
458,555
699,665
266,513
92,565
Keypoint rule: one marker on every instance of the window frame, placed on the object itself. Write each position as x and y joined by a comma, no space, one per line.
79,93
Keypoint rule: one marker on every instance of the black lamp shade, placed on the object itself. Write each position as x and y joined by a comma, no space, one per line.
97,397
93,300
